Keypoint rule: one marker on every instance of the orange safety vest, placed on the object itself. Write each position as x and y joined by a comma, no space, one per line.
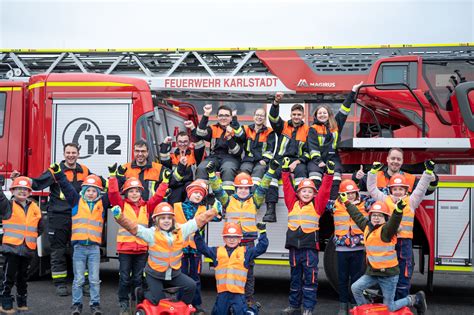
307,218
151,175
321,131
287,134
123,236
251,135
22,227
343,221
162,255
79,176
382,181
406,226
231,274
87,224
181,219
191,158
244,213
380,255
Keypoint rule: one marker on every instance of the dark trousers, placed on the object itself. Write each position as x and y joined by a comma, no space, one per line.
15,273
155,292
250,283
191,266
59,235
405,262
304,278
316,174
300,173
350,267
226,164
130,275
226,301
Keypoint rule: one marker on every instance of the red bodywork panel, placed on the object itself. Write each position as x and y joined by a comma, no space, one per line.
166,306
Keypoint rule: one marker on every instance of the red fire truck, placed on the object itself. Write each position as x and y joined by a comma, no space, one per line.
415,97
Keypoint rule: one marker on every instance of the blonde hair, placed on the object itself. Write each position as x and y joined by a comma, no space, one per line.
331,120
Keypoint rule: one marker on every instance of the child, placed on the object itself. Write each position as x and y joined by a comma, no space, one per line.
323,139
304,209
132,250
232,263
382,265
22,225
349,240
242,207
398,187
166,241
87,224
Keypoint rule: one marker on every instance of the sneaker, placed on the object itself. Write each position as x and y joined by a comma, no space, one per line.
420,302
7,305
76,309
95,309
61,290
290,310
124,308
307,312
21,303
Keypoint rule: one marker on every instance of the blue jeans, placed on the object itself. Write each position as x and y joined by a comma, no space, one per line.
388,286
131,275
86,257
226,301
350,267
405,262
304,278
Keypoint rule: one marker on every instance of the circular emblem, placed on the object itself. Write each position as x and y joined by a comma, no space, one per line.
232,230
134,183
203,185
166,208
377,207
245,182
398,180
307,183
350,187
23,182
90,181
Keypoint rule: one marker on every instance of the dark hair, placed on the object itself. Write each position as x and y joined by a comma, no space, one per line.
182,134
224,107
72,144
395,149
141,143
297,107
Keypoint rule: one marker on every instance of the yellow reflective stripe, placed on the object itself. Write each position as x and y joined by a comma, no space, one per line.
9,89
454,268
456,184
345,109
36,85
273,119
273,262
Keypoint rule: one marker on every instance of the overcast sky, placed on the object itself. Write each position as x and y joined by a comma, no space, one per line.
231,23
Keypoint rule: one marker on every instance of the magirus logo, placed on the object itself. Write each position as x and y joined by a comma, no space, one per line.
303,83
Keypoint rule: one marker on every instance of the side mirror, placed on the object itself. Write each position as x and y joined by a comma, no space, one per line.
2,180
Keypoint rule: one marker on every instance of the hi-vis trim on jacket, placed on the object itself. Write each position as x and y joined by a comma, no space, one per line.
244,213
343,222
288,133
87,225
380,255
191,159
307,218
321,133
406,226
150,177
123,236
22,227
79,176
231,273
163,255
181,219
251,135
217,133
383,181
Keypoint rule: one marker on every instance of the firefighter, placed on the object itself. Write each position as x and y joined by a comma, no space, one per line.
149,173
242,207
22,224
231,263
259,145
165,248
292,137
380,231
183,161
399,189
59,213
323,140
225,151
349,240
302,240
394,164
132,251
88,212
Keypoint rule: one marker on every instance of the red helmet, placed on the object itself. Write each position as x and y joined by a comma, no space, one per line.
163,208
132,182
232,229
306,183
398,180
243,180
199,185
94,181
21,182
379,207
347,186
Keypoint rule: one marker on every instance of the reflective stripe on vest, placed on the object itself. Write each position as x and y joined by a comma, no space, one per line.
22,227
231,273
383,181
165,254
244,213
343,222
87,224
181,219
305,217
123,236
191,159
380,255
321,132
406,226
287,134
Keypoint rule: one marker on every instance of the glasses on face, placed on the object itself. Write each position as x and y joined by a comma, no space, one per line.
260,115
223,116
183,142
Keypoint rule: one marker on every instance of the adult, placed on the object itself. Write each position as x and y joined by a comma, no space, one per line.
225,152
183,161
59,212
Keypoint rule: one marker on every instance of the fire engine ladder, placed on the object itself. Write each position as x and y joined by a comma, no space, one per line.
155,65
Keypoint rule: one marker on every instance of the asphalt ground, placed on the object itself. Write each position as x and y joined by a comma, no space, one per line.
453,294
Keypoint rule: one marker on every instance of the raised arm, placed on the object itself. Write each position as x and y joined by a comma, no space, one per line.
288,190
216,184
372,188
274,115
420,190
72,196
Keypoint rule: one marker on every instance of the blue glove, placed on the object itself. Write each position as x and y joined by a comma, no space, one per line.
117,212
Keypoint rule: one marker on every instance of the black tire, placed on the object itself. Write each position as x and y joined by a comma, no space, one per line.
330,264
140,312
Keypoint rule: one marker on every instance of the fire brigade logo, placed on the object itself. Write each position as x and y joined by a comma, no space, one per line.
397,180
232,230
304,84
23,183
90,181
307,183
245,182
87,134
377,207
350,187
134,183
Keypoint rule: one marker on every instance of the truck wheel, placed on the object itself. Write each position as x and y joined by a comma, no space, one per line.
330,264
140,312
